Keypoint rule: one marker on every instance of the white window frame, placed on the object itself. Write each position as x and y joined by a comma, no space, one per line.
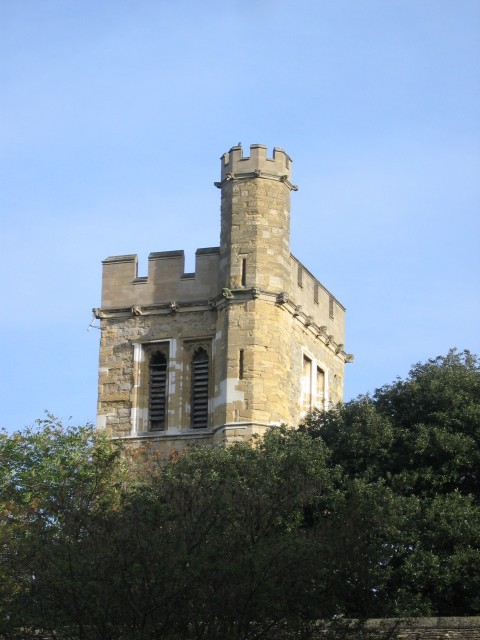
314,404
140,420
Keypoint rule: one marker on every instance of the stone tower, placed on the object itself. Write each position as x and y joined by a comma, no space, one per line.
251,339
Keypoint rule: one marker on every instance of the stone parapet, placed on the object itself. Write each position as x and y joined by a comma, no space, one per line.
236,165
270,333
166,280
313,300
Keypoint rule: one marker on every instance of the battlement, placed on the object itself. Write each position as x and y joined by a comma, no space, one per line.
315,300
250,339
234,164
166,280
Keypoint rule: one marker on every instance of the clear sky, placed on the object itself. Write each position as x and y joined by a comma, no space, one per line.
113,116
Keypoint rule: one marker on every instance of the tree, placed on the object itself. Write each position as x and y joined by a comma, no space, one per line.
219,543
55,485
418,442
370,509
220,548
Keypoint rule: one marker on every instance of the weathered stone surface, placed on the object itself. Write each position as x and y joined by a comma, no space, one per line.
448,628
262,317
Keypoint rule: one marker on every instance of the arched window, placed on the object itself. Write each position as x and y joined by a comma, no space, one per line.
199,398
157,404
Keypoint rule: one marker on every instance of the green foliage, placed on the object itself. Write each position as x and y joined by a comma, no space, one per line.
228,536
211,545
418,441
369,510
55,483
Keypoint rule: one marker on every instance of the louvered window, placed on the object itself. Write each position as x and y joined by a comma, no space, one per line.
158,391
200,389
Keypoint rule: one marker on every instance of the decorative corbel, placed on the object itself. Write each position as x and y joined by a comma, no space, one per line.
339,348
349,357
98,313
308,321
329,339
174,306
137,311
297,311
255,293
282,297
226,293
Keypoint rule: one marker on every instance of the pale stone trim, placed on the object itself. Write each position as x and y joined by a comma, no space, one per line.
139,415
243,296
315,364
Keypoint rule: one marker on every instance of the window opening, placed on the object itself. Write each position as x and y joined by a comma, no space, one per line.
330,307
307,385
320,388
244,272
300,275
200,389
315,293
158,391
240,364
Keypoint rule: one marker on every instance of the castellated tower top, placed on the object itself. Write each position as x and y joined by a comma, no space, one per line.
235,165
250,340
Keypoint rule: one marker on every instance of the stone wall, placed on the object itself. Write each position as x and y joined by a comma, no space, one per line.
166,280
274,335
449,628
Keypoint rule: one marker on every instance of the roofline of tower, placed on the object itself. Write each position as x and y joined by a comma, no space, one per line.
252,175
234,164
318,282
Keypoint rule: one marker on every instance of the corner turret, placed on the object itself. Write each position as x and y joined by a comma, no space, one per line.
256,165
250,340
255,229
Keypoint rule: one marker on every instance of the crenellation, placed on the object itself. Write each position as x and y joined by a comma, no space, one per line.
166,280
235,164
314,300
257,318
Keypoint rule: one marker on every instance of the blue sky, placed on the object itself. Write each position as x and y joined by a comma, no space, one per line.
113,116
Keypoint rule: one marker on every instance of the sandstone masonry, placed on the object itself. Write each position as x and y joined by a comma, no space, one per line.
447,628
250,339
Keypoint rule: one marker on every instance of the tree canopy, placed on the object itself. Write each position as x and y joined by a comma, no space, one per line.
369,509
417,441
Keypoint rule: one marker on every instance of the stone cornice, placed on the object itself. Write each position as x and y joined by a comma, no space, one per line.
252,175
237,296
161,308
228,297
194,434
